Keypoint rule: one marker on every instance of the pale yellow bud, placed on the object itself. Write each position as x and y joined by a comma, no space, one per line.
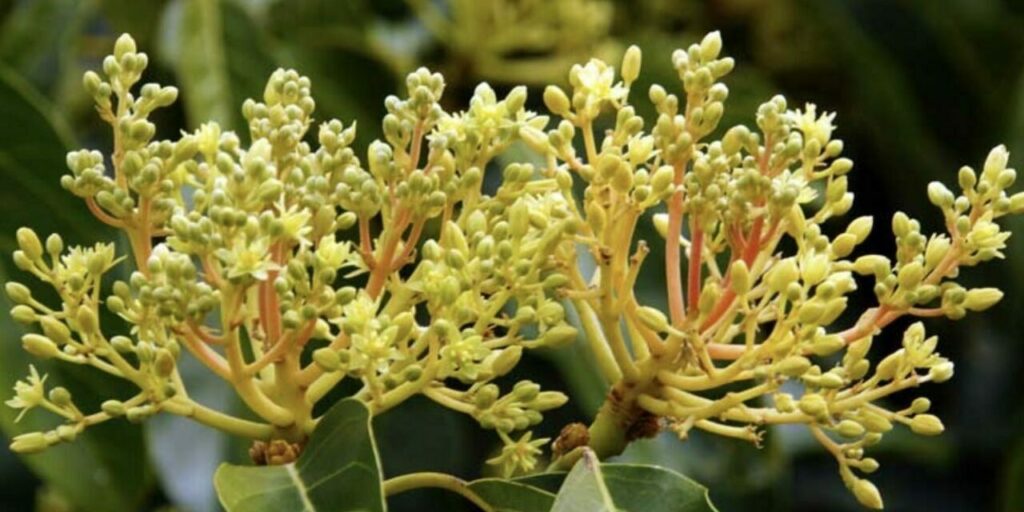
556,100
941,372
861,227
782,273
739,276
867,494
926,425
631,64
980,299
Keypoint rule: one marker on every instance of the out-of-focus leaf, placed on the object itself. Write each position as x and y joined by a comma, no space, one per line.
512,496
220,56
44,56
338,471
595,487
134,17
105,468
202,64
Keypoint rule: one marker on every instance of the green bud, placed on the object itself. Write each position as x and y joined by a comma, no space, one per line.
827,345
782,274
54,244
24,314
926,425
711,46
941,372
887,368
920,405
506,360
39,346
784,402
164,363
17,292
60,396
867,494
875,422
911,275
88,323
113,408
739,277
843,245
813,404
556,100
653,318
793,366
32,442
559,336
631,64
830,380
939,195
486,396
980,299
850,429
29,243
327,359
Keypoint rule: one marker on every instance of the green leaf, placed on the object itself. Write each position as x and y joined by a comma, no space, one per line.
106,467
512,496
220,56
584,489
594,487
338,471
202,64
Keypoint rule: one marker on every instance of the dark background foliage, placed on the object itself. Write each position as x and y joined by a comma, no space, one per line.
921,87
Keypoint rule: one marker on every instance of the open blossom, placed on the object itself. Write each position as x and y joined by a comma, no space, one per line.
28,393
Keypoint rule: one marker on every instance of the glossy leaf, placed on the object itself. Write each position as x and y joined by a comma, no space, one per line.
512,496
338,471
595,487
108,462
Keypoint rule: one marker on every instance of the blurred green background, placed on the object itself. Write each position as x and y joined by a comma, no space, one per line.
921,87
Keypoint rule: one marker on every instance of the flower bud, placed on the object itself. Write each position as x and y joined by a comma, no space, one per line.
850,429
939,195
827,345
926,425
843,245
32,442
911,274
875,422
941,372
327,359
784,402
711,46
793,366
653,318
739,277
782,273
872,264
867,494
556,100
17,292
980,299
920,405
559,336
507,360
39,346
631,64
87,321
813,404
113,408
29,243
486,396
24,314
